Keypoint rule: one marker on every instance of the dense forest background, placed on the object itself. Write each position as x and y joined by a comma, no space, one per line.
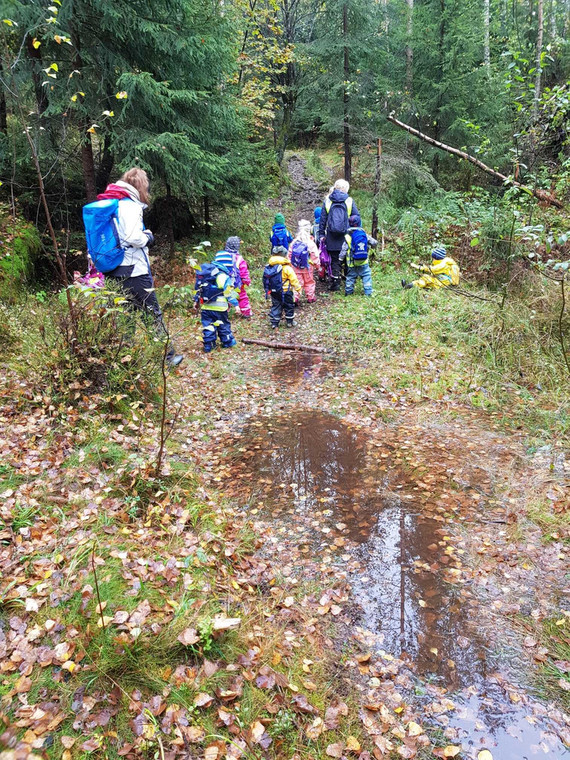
208,96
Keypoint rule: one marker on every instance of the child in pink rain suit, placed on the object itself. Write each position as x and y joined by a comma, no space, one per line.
304,258
232,246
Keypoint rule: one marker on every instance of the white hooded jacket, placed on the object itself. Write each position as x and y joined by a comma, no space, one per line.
130,227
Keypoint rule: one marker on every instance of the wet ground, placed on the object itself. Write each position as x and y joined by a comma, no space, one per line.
332,493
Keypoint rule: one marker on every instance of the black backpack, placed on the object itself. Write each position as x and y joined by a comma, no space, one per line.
273,280
337,220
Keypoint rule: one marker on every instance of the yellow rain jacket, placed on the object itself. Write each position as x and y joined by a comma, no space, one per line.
441,274
290,280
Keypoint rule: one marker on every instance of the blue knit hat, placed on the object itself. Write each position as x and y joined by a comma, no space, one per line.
232,243
439,252
318,212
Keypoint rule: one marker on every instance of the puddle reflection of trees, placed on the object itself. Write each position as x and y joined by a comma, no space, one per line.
321,471
410,604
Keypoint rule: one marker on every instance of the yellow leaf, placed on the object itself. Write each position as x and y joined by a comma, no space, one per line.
9,22
73,98
352,744
451,750
121,95
36,43
484,755
149,731
414,729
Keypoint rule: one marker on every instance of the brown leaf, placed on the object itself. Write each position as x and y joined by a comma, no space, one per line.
301,704
203,700
188,637
335,750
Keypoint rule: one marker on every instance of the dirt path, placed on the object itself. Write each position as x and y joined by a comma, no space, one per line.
408,524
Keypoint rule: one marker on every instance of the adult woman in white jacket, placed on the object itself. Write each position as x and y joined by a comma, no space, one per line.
133,274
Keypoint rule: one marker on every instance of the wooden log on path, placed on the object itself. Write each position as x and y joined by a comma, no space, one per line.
538,192
286,346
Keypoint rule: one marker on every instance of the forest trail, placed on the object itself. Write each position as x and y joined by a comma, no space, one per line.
403,512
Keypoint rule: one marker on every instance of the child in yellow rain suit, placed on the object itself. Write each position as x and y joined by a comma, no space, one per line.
442,272
280,283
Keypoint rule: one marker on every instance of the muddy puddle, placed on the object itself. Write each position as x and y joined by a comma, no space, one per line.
326,490
299,366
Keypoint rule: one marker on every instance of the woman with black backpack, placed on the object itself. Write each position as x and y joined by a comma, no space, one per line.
337,209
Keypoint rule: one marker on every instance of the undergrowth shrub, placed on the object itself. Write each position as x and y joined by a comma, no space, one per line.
104,350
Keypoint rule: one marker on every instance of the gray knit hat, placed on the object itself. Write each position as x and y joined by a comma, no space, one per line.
232,243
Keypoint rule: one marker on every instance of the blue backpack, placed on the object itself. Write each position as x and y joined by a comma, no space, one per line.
207,288
103,245
280,236
273,280
300,255
359,246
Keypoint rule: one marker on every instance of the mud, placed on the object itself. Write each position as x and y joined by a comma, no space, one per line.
298,367
324,484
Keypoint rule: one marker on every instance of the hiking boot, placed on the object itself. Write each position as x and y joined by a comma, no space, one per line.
174,360
208,349
406,285
335,286
274,327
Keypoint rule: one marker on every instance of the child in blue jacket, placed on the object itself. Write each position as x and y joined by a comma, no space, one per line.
355,250
280,235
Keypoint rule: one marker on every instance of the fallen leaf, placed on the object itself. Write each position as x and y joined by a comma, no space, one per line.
203,700
188,637
414,729
335,750
484,755
452,750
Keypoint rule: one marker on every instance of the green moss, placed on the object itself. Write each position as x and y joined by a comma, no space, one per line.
20,245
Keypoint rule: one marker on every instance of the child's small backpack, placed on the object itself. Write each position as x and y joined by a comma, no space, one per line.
300,255
207,288
279,236
103,245
273,280
359,246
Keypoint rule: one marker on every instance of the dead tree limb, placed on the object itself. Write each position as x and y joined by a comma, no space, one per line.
542,195
286,346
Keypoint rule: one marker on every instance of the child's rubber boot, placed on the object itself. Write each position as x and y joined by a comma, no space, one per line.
406,285
230,345
174,360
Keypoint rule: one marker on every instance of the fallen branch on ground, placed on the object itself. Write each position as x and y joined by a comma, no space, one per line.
286,346
542,195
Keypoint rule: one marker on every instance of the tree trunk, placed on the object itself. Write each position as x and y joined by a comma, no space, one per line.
538,64
207,223
486,28
87,160
169,221
542,195
106,165
347,152
553,25
377,181
3,107
36,64
409,48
